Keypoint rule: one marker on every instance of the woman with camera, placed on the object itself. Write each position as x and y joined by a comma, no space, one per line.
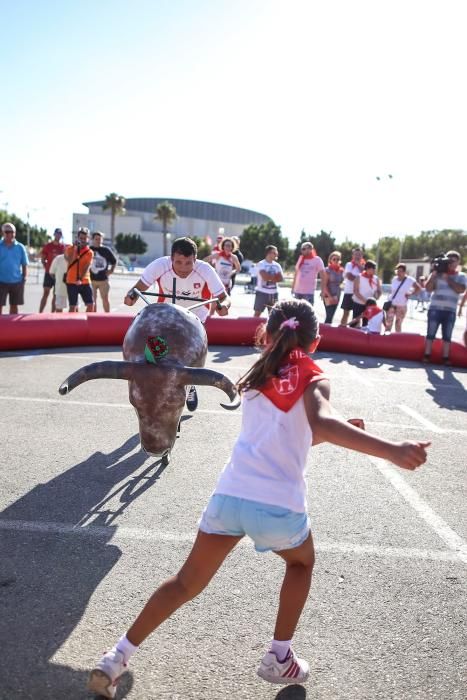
446,284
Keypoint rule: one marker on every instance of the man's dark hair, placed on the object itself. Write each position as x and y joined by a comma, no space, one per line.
370,263
269,248
184,246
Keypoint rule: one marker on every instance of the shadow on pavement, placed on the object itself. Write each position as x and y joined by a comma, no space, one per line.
47,580
447,392
291,692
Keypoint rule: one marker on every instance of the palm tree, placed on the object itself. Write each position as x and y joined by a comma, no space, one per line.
116,203
166,213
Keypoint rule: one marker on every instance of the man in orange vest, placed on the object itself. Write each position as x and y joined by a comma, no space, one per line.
78,280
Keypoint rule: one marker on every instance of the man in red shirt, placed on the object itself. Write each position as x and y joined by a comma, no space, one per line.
49,252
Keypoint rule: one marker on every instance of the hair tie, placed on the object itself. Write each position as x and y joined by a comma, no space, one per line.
290,323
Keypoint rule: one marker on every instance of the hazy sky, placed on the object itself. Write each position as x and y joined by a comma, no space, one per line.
288,107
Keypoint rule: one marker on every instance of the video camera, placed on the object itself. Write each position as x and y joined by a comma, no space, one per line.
441,263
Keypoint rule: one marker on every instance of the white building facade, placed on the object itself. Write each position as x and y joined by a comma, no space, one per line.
194,218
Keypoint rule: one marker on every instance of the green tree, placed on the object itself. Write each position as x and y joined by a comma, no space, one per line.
204,249
386,253
116,203
323,242
130,243
167,214
256,237
37,236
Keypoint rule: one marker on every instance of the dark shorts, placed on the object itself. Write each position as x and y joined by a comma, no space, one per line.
440,317
263,301
14,291
347,303
83,290
49,281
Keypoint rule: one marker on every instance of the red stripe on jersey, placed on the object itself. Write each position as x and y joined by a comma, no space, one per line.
161,291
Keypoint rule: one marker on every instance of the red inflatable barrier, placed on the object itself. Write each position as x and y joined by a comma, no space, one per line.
30,331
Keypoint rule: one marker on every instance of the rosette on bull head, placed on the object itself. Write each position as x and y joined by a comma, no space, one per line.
165,350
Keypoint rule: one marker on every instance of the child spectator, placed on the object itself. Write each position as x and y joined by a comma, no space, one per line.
373,317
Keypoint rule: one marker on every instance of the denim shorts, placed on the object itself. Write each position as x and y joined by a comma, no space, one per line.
271,528
440,317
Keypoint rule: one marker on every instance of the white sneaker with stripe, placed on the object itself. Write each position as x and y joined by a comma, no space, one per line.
291,670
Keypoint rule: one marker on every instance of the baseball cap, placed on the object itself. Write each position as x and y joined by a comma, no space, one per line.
83,229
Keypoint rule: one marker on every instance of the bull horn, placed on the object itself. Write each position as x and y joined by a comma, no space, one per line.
208,377
98,370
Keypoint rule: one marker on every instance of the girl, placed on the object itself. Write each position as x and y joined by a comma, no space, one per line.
366,285
335,273
262,493
225,262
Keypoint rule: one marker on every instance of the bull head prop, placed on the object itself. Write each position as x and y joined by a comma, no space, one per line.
165,350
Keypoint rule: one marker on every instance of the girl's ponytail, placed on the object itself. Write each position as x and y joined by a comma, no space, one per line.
291,324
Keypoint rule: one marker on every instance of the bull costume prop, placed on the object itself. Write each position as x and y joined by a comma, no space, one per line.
164,351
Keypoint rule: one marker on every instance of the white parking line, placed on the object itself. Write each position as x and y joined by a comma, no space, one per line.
421,419
116,533
437,524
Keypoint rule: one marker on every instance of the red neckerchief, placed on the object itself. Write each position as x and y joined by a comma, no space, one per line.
371,311
336,267
223,254
83,249
370,278
302,258
296,372
358,264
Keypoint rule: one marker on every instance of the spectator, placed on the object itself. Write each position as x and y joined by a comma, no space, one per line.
193,278
239,255
372,316
308,268
351,272
13,269
102,266
58,270
78,281
446,287
269,273
217,247
225,262
49,252
402,288
365,285
461,306
335,276
423,297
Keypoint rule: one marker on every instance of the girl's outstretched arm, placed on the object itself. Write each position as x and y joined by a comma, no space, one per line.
327,426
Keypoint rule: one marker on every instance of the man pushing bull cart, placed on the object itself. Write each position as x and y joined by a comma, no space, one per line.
181,278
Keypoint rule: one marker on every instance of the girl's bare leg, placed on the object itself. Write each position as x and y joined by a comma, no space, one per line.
295,587
204,560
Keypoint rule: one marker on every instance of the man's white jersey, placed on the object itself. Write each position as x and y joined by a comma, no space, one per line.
202,283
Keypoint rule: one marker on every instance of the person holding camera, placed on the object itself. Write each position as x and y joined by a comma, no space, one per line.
446,283
402,288
78,281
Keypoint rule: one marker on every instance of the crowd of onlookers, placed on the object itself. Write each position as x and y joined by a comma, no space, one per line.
83,269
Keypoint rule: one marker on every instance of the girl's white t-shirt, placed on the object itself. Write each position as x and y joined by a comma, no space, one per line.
268,461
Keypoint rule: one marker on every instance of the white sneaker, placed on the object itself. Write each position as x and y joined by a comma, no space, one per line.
291,670
105,675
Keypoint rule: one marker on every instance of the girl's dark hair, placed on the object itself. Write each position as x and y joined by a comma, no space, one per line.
281,340
184,246
227,239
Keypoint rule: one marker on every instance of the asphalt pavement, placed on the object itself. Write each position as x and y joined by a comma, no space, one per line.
89,526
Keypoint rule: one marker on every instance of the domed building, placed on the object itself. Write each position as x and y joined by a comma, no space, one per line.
194,218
